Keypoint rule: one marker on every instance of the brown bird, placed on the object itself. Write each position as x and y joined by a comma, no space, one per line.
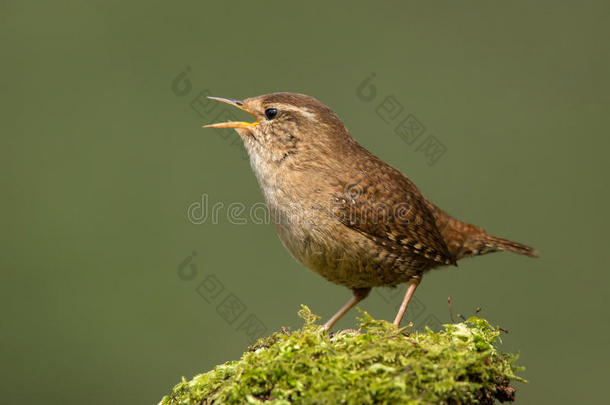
341,211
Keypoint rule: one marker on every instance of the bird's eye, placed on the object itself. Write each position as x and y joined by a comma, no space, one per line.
270,113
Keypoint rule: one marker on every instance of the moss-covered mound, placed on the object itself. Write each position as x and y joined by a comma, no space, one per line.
379,364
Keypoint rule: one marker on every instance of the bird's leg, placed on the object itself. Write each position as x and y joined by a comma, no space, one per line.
412,285
358,295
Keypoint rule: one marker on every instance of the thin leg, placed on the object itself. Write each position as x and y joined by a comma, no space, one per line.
358,295
412,285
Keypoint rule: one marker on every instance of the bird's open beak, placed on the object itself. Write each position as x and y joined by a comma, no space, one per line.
232,124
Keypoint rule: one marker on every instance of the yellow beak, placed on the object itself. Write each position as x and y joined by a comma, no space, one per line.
232,124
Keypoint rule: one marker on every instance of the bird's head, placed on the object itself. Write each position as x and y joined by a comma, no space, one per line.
288,126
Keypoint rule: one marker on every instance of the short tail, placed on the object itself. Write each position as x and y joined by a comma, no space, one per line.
495,244
466,240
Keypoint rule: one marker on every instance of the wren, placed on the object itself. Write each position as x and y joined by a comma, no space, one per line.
341,211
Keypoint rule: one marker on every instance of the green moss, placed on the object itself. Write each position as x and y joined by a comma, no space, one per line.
377,364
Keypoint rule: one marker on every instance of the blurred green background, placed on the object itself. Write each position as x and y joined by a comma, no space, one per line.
102,153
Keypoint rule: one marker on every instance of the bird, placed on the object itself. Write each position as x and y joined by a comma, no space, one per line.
343,212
